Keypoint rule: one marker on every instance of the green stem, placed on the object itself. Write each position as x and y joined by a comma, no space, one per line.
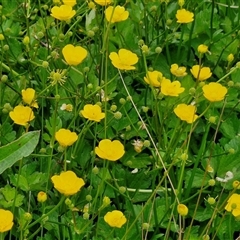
47,214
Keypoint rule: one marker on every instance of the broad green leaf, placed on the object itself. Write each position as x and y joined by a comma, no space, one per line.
14,151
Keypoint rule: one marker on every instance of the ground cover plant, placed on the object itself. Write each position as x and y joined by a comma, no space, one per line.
119,119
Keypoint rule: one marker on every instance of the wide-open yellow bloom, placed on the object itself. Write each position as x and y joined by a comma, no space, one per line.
115,218
22,115
117,14
184,16
65,137
124,59
201,73
67,183
178,71
186,112
169,88
103,2
110,150
154,78
70,2
233,204
63,13
28,96
6,220
74,55
92,112
214,92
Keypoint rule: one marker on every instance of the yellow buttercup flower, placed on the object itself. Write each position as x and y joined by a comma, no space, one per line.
169,88
233,205
178,71
65,137
63,13
110,150
92,112
28,96
201,73
184,16
6,220
186,112
117,14
202,48
153,78
115,219
74,55
182,209
41,197
67,183
103,2
70,2
22,115
214,92
124,59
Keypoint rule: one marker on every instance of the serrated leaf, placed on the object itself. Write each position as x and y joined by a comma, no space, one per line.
16,150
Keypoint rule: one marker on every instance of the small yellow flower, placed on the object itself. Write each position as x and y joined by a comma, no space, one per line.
178,71
63,13
92,112
115,219
236,184
91,5
110,150
184,16
153,78
181,3
67,183
201,73
186,112
6,220
202,48
22,115
124,59
117,14
103,2
182,209
74,55
65,137
28,96
41,197
70,2
169,88
233,205
214,92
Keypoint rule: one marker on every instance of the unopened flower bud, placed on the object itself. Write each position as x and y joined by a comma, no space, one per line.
26,40
182,209
41,197
211,200
230,57
211,182
117,115
122,189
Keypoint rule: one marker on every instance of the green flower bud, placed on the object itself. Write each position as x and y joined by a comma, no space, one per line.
89,198
122,189
4,78
113,108
122,101
158,50
118,115
211,182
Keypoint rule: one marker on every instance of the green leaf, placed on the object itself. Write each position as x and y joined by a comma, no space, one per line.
22,147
